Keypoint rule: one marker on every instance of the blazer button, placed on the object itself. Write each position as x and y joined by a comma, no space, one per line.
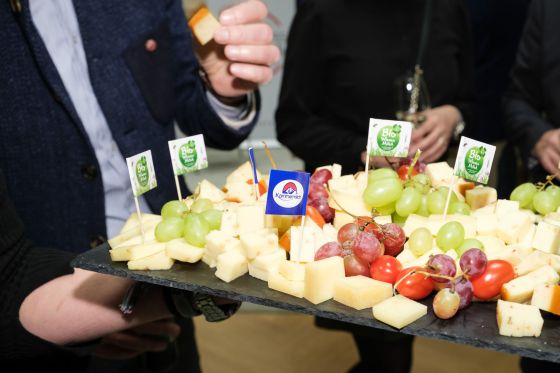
151,45
89,171
96,241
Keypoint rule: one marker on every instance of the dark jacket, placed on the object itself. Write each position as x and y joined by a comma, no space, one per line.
52,173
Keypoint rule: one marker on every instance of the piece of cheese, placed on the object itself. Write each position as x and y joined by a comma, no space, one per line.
203,25
406,256
487,225
206,189
493,246
330,233
144,250
281,222
535,260
320,277
259,273
514,254
547,238
242,173
250,217
240,192
486,210
258,243
270,261
361,292
303,250
423,259
231,265
383,219
280,283
229,223
414,222
521,289
134,236
440,173
350,199
506,206
181,250
120,254
513,225
159,261
292,271
399,311
218,241
547,298
518,320
132,222
480,196
341,219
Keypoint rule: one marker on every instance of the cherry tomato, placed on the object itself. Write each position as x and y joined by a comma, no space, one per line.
415,286
489,284
386,268
403,172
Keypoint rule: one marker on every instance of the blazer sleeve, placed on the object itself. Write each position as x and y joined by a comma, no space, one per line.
194,113
300,124
523,101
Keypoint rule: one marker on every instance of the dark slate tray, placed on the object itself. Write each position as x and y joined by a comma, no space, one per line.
476,326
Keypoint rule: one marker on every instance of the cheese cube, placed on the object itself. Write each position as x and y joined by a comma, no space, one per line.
383,219
206,189
480,196
468,223
261,274
399,311
203,25
349,197
487,225
536,260
149,237
280,283
547,238
133,235
159,261
526,239
330,233
521,289
270,261
493,246
250,217
514,254
547,298
217,241
486,210
120,254
181,250
292,271
148,249
341,219
518,320
242,173
231,265
258,243
513,225
281,222
406,256
229,226
505,206
210,260
361,292
132,222
336,171
414,222
440,173
320,277
302,250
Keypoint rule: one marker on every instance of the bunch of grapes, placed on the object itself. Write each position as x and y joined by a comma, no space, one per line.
318,196
542,199
193,225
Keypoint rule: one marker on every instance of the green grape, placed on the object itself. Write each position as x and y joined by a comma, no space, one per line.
436,202
555,191
469,243
196,229
423,209
201,205
169,229
544,202
383,192
459,208
422,183
174,209
386,210
450,236
445,191
524,194
420,241
213,217
397,219
409,202
382,173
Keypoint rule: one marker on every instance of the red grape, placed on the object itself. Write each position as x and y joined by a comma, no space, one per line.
473,262
393,238
317,191
321,176
322,205
348,232
441,264
446,303
354,266
329,249
367,247
464,288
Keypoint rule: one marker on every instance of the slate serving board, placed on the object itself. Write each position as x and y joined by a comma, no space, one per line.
476,326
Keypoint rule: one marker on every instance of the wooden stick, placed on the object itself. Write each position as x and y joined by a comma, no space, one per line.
179,197
139,218
269,155
453,181
301,238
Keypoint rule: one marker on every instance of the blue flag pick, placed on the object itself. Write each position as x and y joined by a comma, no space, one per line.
287,193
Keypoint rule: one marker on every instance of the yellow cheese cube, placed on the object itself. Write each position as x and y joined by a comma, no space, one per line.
361,292
383,219
242,173
218,242
229,225
399,311
518,320
536,260
292,271
320,277
250,217
203,25
514,254
120,254
271,260
303,250
521,289
513,225
505,206
486,210
487,225
547,298
133,236
159,261
480,197
349,197
206,189
258,243
406,256
181,250
231,265
261,274
493,246
132,222
280,283
440,173
330,233
341,219
148,249
414,222
547,238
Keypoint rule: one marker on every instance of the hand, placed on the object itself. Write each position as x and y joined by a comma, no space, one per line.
547,151
379,162
150,337
434,135
239,58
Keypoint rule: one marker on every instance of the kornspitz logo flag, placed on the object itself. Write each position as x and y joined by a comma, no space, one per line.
287,193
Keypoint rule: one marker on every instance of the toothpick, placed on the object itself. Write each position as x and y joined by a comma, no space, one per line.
139,218
179,197
301,238
255,179
269,155
451,187
368,150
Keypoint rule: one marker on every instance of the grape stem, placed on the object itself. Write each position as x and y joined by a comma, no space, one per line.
413,164
549,181
428,274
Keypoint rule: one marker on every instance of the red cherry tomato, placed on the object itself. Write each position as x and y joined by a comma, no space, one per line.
403,172
415,286
489,284
386,268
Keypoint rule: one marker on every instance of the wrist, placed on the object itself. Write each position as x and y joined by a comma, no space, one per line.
226,100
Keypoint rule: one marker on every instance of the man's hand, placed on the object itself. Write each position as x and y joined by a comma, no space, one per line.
434,135
151,337
239,57
547,151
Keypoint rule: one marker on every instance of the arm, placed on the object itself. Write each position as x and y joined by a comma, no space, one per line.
300,122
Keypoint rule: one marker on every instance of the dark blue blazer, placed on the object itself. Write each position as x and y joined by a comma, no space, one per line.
50,166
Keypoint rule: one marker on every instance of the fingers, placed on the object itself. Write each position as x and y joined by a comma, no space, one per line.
246,12
258,34
252,73
261,55
426,127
